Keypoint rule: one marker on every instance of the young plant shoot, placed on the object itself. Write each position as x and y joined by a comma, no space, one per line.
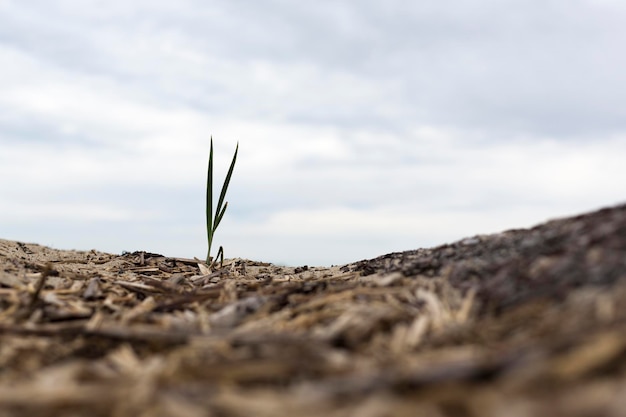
212,221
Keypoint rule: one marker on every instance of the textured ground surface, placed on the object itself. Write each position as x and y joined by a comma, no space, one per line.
522,323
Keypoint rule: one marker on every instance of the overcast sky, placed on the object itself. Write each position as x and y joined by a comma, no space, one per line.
364,127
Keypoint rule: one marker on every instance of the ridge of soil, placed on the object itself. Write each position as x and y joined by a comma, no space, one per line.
521,323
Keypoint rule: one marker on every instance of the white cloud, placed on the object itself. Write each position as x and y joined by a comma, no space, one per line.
363,129
65,212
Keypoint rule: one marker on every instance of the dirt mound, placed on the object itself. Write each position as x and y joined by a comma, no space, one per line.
521,323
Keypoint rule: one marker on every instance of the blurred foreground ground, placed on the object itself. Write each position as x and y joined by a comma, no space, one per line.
522,323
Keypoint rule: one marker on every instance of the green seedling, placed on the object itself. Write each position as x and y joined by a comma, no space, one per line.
213,221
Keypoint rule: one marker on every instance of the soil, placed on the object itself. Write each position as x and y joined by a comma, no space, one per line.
522,323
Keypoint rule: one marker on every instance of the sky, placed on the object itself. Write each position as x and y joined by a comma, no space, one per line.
364,127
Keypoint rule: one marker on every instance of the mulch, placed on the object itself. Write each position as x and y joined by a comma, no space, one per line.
522,323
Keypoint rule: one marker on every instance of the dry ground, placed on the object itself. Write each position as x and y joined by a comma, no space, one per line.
521,323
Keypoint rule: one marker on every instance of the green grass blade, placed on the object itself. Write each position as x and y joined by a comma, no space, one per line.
209,202
218,211
218,216
213,222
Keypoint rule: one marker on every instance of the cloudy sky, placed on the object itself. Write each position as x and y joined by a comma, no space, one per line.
365,127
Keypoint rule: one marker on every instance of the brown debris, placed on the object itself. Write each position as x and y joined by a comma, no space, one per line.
521,323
